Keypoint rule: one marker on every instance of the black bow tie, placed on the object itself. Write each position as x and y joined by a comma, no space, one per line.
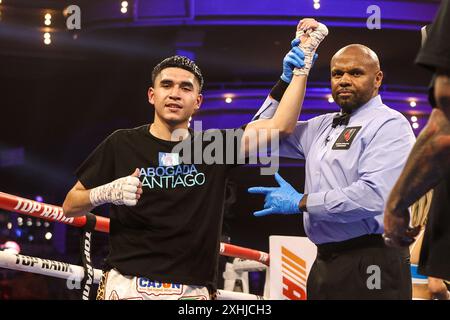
341,119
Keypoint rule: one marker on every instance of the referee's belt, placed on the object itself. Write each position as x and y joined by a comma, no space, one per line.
366,241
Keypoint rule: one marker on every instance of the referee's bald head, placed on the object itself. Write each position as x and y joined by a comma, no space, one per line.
361,51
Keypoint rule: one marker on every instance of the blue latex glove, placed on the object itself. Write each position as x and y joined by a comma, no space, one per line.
281,200
293,59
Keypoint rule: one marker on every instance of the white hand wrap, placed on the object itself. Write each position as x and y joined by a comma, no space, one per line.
118,192
309,47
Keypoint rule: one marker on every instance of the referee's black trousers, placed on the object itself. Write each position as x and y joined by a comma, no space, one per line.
360,268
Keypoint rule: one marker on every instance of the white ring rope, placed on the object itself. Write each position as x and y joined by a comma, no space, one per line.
75,273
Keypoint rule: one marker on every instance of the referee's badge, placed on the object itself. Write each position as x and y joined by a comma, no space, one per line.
345,139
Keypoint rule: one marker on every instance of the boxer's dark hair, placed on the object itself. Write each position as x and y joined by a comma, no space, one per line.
178,62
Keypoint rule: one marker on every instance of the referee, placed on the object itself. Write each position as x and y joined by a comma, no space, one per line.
353,159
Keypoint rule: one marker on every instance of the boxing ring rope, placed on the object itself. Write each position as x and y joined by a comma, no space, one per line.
45,267
48,212
231,250
55,214
75,273
63,270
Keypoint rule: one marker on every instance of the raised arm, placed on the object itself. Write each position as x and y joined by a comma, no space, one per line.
296,66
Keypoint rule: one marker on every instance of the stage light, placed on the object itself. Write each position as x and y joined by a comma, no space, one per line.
19,221
48,19
330,99
412,104
30,238
47,38
317,6
415,125
414,119
228,100
29,222
39,199
48,235
9,225
124,8
46,224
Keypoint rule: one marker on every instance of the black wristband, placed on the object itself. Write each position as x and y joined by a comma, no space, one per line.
278,90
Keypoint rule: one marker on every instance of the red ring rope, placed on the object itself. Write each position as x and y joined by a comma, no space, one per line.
50,212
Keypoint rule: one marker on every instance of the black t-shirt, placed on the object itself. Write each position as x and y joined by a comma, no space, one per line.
436,50
173,233
435,253
435,53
